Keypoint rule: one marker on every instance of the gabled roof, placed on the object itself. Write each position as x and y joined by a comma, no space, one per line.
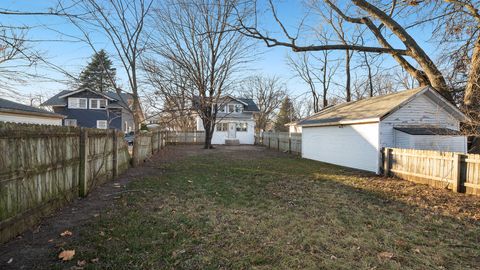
82,90
60,99
376,108
8,106
250,105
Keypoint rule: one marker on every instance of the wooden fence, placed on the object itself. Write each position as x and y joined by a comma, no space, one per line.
184,137
148,143
281,141
455,171
44,167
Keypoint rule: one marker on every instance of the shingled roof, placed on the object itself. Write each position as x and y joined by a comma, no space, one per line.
374,109
8,106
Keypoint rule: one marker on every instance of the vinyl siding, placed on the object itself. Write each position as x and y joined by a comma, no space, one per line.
419,111
431,142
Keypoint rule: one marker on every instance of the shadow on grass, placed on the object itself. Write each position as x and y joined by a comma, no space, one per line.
214,211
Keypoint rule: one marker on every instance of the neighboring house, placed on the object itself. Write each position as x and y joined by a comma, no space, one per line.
352,134
87,108
293,127
235,122
18,113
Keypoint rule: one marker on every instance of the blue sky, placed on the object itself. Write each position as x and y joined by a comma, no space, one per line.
72,56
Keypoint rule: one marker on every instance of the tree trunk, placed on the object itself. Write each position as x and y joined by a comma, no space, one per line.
434,75
472,90
347,71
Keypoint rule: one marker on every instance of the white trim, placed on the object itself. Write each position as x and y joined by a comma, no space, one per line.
70,103
98,103
234,98
105,126
81,90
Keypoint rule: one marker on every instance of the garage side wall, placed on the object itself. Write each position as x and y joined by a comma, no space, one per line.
355,146
420,111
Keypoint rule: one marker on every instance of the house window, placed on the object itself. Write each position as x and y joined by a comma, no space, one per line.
221,108
77,103
238,108
98,103
102,124
231,108
70,122
222,126
242,126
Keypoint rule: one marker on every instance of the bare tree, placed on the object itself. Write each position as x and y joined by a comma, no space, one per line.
198,37
171,97
122,23
268,93
313,75
375,20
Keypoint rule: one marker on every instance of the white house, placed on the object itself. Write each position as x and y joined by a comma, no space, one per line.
19,113
352,134
235,121
293,127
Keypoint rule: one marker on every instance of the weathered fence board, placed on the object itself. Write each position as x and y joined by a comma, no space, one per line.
43,167
455,171
184,137
281,141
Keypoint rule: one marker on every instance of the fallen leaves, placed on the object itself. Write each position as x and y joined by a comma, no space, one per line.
81,263
66,255
385,255
66,233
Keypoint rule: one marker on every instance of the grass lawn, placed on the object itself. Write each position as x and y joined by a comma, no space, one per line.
274,211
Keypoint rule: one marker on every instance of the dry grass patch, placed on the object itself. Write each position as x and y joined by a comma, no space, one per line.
266,212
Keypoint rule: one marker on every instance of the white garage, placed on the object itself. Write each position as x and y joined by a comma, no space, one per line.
352,134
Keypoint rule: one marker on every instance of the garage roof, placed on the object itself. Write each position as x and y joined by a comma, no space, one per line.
428,131
375,108
8,106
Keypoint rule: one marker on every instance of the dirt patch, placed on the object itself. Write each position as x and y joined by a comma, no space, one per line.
39,245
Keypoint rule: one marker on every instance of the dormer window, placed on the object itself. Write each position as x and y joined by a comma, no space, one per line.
77,103
98,103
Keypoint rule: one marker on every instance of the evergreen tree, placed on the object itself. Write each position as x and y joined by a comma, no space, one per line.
285,115
98,74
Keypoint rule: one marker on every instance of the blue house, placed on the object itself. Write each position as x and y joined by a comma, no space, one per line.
88,108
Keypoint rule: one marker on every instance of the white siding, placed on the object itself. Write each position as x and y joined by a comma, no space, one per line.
354,146
30,119
244,137
441,143
419,111
402,140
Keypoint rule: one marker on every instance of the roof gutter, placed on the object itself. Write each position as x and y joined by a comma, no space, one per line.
47,115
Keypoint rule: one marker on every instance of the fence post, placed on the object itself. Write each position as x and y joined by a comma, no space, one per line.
386,161
278,142
114,154
83,167
456,175
289,145
269,139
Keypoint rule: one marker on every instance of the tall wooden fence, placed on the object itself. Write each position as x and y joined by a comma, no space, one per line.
281,141
43,167
455,171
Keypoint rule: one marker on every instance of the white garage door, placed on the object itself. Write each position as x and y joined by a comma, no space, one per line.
354,146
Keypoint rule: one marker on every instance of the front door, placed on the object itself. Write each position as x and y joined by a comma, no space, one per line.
232,130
